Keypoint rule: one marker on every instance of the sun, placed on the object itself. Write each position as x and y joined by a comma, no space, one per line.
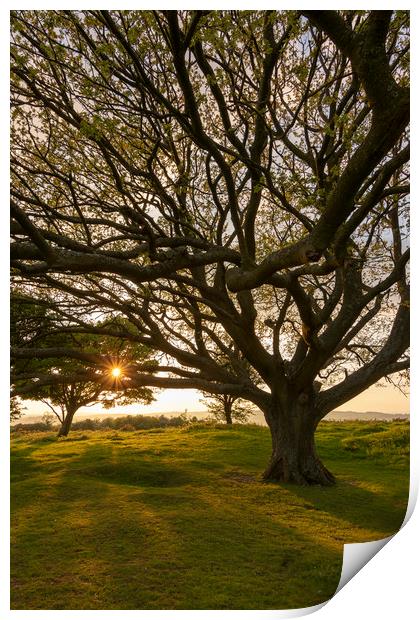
116,372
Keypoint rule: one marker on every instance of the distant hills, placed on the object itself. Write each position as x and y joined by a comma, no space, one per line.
256,418
366,415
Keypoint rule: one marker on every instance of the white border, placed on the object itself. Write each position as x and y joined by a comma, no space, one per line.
388,585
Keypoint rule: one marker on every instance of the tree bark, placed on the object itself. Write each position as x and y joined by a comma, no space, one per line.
66,423
292,422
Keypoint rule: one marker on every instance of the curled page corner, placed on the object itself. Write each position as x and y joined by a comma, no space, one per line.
356,555
296,613
412,501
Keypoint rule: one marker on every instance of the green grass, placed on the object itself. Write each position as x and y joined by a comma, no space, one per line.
180,519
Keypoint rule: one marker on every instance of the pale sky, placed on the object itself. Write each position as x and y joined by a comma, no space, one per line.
381,399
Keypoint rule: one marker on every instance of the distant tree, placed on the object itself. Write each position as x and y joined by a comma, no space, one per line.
48,419
16,408
226,408
221,178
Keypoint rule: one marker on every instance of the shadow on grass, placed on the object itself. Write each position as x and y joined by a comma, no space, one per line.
358,506
111,464
217,559
27,471
171,548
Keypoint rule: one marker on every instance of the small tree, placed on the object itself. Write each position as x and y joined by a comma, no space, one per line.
66,385
227,408
66,397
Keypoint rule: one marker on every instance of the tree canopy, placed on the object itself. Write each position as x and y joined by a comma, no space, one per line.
232,183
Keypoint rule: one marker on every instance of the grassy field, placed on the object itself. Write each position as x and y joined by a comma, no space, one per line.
180,519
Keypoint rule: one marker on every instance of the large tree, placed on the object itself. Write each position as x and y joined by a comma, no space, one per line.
226,181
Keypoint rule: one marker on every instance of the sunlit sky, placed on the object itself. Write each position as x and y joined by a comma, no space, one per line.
381,399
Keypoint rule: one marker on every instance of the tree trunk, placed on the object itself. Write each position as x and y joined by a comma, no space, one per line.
292,422
66,423
228,413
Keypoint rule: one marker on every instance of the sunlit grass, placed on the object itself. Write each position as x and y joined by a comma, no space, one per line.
180,519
